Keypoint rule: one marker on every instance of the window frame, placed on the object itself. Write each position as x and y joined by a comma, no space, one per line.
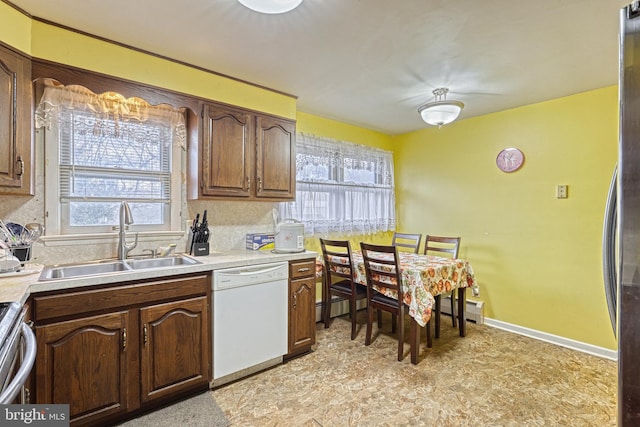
327,151
55,209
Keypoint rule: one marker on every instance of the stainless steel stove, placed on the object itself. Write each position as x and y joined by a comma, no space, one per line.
17,351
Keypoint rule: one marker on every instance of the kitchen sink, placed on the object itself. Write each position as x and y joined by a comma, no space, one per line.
96,268
171,261
69,271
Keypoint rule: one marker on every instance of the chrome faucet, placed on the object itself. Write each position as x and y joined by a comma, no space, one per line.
126,218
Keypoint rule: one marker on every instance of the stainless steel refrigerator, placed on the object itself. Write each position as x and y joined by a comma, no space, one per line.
621,242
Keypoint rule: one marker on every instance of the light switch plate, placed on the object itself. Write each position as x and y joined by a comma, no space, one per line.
561,191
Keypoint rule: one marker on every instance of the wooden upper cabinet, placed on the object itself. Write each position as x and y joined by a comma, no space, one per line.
242,155
16,148
227,152
276,158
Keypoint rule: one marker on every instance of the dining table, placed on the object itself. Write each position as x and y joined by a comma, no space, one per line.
423,278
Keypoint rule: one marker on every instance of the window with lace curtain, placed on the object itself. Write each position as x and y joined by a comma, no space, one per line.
103,149
342,188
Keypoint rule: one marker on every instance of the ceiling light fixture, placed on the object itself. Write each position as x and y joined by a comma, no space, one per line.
271,6
440,112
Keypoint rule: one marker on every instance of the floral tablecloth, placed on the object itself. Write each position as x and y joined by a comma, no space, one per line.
423,277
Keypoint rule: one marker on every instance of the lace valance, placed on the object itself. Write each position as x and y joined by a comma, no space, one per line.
109,106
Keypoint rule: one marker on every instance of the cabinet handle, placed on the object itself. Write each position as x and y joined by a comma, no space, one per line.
247,185
27,396
124,338
145,334
295,300
260,185
20,166
303,270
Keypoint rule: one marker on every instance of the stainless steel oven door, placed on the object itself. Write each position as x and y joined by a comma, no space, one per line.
18,352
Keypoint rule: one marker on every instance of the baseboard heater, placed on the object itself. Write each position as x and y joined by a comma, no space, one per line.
340,306
475,309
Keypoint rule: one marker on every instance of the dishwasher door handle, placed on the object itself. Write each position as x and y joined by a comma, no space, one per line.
250,271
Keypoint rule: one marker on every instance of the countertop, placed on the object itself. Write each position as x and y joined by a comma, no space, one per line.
18,286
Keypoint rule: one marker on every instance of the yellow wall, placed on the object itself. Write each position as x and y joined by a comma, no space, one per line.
537,258
315,125
15,28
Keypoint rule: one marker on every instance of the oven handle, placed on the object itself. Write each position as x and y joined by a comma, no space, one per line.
12,390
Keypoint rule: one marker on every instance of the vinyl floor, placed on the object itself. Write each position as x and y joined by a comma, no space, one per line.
488,378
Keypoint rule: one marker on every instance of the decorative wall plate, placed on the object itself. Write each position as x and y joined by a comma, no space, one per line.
510,159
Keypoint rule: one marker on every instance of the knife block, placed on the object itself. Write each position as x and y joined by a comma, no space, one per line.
196,248
200,249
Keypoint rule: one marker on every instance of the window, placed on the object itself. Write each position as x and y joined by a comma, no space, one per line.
102,149
342,188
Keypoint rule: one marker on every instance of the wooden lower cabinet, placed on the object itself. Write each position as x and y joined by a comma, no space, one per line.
83,363
302,306
173,347
113,352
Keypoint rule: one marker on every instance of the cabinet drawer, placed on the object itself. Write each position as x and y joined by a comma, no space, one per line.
304,268
128,294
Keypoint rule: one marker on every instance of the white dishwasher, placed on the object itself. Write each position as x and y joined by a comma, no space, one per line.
250,319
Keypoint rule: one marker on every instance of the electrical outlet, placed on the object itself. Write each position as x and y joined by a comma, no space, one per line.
561,192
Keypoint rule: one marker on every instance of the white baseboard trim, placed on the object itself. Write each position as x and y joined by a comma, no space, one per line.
554,339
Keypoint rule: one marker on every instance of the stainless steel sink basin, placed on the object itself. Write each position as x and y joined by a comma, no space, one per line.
109,267
171,261
69,271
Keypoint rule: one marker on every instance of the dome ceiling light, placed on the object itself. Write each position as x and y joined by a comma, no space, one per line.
440,111
271,6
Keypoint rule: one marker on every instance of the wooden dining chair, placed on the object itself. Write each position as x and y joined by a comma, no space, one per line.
407,240
383,273
338,280
443,246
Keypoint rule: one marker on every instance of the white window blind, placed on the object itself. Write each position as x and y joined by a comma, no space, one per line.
342,188
106,162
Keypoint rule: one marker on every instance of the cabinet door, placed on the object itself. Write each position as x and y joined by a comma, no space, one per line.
175,351
275,158
302,319
15,124
227,152
84,363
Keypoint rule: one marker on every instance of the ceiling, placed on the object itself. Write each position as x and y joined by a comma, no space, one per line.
372,63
